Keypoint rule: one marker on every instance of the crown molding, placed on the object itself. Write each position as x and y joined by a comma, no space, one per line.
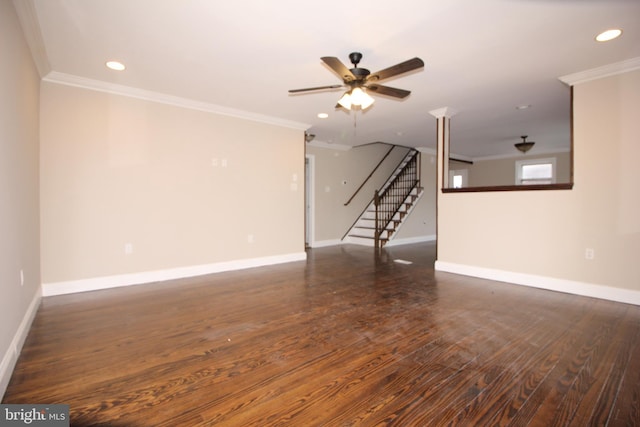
28,18
447,112
600,72
427,150
147,95
329,145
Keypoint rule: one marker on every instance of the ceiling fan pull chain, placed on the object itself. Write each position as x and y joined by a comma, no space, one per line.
355,125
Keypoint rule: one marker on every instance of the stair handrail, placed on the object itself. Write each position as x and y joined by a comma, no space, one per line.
392,196
388,179
370,175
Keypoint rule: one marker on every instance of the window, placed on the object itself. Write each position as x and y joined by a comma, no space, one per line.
536,171
458,178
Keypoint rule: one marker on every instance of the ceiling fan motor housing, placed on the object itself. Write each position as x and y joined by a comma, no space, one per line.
358,73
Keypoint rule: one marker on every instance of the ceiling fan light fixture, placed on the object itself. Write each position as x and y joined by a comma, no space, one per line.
345,101
356,97
361,98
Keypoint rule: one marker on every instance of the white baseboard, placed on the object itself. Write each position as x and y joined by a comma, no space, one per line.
106,282
627,296
325,243
411,240
11,355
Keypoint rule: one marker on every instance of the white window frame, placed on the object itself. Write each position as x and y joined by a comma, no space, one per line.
521,163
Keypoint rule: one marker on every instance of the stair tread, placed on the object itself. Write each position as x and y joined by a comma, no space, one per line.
357,227
366,237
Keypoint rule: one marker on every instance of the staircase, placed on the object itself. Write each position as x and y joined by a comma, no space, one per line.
389,206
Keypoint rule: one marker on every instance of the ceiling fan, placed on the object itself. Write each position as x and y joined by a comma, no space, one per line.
360,80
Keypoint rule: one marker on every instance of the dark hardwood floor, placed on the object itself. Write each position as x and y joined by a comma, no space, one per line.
346,338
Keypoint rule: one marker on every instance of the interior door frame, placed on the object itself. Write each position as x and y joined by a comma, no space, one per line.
309,200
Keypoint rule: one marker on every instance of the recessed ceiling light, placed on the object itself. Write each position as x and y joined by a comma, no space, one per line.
605,36
323,115
115,65
523,107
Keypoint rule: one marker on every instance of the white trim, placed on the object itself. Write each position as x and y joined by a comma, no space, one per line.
447,112
147,95
107,282
310,198
427,150
325,243
11,355
329,145
627,296
600,72
410,240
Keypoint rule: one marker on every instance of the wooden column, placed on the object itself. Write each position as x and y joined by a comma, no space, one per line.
443,117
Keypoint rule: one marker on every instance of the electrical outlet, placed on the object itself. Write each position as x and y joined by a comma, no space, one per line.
128,248
589,253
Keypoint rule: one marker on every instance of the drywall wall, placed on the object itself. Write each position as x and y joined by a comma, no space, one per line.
541,237
19,220
130,186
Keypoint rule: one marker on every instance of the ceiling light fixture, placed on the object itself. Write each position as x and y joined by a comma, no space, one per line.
115,65
523,107
525,145
356,97
322,115
611,34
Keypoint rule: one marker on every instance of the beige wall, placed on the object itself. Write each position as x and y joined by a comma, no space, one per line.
545,233
339,173
493,172
19,223
183,187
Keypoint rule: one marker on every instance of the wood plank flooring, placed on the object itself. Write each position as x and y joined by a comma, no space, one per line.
345,339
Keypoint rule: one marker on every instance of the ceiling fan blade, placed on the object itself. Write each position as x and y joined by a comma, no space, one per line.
339,68
389,91
314,88
401,68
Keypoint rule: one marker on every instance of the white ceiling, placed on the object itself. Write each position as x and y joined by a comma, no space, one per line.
483,58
